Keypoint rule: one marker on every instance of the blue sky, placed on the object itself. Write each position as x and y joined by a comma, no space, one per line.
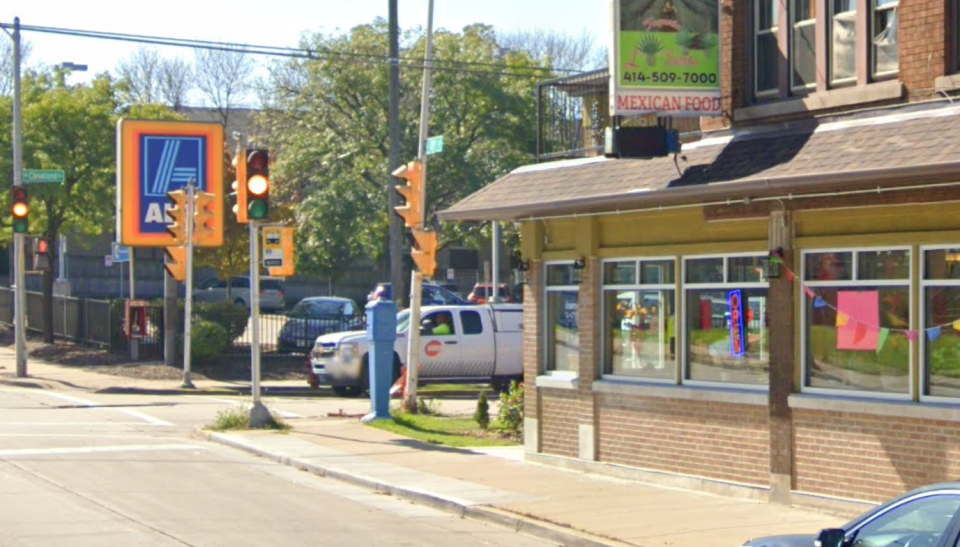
273,23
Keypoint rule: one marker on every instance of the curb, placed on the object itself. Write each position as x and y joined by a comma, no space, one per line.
525,524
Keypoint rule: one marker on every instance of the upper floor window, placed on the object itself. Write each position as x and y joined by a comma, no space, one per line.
842,64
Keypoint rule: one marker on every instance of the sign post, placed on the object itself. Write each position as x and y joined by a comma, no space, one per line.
188,300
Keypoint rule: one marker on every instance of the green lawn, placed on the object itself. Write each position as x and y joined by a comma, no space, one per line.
453,432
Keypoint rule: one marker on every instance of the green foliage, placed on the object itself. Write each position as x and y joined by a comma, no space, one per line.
651,45
430,407
453,432
207,340
709,42
330,119
482,414
239,418
232,317
511,409
684,39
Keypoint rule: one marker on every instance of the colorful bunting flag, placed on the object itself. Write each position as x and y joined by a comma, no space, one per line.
809,292
859,333
884,332
790,277
819,303
912,335
933,333
842,319
956,325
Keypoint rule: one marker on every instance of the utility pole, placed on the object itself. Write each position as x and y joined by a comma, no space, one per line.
413,339
19,258
188,303
259,415
393,116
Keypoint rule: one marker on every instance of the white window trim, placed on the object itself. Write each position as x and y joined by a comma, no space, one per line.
872,34
801,302
545,321
682,328
638,286
924,284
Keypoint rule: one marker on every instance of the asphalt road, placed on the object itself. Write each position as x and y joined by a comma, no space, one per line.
107,470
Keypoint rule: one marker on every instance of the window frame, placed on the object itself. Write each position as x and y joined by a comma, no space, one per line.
894,6
832,81
922,319
638,285
723,285
854,282
795,25
548,356
756,32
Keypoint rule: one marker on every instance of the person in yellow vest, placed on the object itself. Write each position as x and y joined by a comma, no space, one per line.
443,325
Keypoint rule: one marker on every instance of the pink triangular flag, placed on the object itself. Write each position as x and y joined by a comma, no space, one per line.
912,335
789,275
809,292
859,333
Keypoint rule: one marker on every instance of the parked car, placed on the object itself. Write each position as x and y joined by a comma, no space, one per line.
432,295
925,517
316,316
215,290
483,291
483,344
453,288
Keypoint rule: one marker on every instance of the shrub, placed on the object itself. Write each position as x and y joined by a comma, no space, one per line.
232,317
428,406
207,340
482,415
511,409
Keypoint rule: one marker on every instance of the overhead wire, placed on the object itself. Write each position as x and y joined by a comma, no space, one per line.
447,65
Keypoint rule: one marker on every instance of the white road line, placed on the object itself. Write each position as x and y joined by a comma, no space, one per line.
96,449
93,404
61,424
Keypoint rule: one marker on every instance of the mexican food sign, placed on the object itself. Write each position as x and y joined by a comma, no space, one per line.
667,58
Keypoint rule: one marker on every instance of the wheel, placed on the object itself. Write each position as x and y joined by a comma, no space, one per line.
347,391
397,365
364,383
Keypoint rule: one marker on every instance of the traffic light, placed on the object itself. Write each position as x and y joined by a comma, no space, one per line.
178,229
203,231
424,253
412,191
20,209
240,206
41,254
176,262
257,184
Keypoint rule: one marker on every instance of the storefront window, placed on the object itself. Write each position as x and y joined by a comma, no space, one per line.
856,320
726,320
639,319
941,312
563,337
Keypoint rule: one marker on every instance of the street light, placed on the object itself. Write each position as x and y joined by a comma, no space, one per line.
65,68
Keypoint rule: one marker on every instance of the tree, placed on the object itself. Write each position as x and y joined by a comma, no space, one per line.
176,81
6,62
147,78
558,50
224,76
328,117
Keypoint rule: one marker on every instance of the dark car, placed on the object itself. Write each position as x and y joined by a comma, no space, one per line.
432,295
315,316
925,517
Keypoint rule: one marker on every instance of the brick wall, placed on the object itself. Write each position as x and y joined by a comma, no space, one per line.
531,336
871,458
559,431
720,441
732,66
922,45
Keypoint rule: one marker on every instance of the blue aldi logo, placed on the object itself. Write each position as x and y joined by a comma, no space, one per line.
168,163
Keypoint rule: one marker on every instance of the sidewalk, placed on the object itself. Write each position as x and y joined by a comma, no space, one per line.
492,485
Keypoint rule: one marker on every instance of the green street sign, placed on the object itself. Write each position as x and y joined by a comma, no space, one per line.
435,145
34,176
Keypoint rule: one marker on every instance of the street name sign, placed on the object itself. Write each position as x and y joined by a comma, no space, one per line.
272,247
156,157
119,253
435,145
50,176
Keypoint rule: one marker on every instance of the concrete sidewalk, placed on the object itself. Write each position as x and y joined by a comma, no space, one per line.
492,485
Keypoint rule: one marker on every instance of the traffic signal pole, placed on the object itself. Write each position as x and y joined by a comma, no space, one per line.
19,256
259,415
188,298
416,284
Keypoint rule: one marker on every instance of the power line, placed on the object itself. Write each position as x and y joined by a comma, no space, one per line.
287,52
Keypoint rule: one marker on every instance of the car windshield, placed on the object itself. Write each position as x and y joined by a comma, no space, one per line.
270,285
403,321
317,307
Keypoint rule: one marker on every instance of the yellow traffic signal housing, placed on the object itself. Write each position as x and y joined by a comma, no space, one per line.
412,191
258,184
424,254
289,255
240,187
204,231
178,229
176,262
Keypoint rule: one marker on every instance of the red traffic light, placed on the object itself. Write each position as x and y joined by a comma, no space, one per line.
43,246
19,193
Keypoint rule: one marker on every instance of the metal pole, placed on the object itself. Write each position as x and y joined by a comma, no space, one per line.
62,252
393,118
413,343
188,301
494,295
134,342
19,265
259,415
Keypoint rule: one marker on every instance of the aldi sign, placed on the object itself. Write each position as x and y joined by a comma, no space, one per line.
156,157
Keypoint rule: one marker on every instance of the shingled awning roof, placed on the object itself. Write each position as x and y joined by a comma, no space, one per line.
913,144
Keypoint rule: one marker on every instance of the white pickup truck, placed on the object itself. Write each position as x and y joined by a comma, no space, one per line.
484,345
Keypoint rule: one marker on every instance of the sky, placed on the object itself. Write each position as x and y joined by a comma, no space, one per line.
270,23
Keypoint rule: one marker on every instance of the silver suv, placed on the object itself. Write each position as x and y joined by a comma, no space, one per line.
215,290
